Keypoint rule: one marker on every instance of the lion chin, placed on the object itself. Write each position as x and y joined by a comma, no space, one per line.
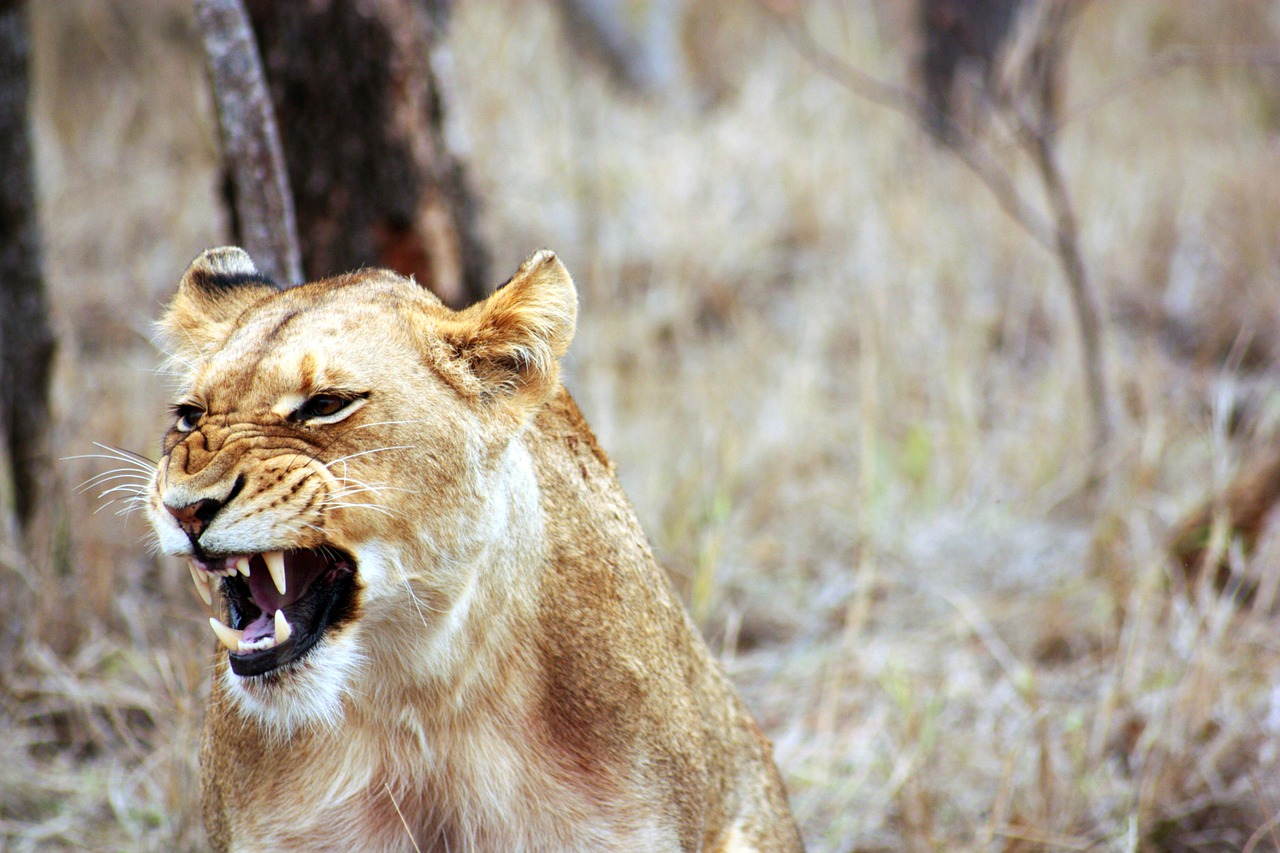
439,625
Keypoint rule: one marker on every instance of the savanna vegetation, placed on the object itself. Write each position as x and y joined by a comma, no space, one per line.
842,385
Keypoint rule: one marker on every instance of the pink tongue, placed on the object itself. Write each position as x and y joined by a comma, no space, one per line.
267,598
263,626
263,590
300,569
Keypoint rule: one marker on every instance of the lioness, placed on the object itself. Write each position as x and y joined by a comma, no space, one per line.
441,626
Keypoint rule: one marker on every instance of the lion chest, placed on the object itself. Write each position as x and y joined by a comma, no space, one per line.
483,789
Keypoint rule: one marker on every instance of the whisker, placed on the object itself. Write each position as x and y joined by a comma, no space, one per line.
312,457
353,481
386,423
348,491
152,543
133,464
130,504
125,453
375,507
108,476
366,453
346,495
380,506
125,469
139,491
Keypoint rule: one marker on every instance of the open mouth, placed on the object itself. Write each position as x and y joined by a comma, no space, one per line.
280,603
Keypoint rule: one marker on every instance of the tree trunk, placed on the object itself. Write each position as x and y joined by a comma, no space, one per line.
26,338
261,206
360,111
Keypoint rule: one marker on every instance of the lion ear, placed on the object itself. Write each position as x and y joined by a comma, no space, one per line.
215,290
510,344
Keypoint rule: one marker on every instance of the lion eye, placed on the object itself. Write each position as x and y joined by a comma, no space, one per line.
321,406
188,417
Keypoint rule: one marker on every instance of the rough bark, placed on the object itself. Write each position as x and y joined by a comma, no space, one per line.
26,336
358,95
260,203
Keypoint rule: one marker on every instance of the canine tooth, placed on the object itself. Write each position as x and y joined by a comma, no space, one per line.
229,637
275,565
242,566
201,577
283,629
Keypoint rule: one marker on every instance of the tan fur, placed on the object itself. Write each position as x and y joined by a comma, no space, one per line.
519,675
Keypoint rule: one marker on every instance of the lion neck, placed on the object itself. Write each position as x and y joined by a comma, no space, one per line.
450,634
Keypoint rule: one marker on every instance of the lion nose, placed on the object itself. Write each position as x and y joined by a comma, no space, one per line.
195,517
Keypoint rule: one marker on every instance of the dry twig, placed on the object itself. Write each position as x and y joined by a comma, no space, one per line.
1033,107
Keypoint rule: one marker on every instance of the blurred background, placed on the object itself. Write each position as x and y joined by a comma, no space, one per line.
942,378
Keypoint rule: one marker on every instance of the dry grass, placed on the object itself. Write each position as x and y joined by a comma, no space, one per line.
841,389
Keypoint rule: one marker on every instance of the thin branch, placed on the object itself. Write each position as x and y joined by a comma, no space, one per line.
1040,89
970,151
1175,59
250,140
854,79
1035,133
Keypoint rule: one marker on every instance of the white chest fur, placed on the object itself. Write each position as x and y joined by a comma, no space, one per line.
482,787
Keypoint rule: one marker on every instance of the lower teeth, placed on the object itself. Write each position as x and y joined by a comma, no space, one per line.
257,645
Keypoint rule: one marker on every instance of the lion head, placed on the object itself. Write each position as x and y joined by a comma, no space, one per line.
343,456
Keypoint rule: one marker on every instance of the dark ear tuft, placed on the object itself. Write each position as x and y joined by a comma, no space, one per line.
215,291
224,268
